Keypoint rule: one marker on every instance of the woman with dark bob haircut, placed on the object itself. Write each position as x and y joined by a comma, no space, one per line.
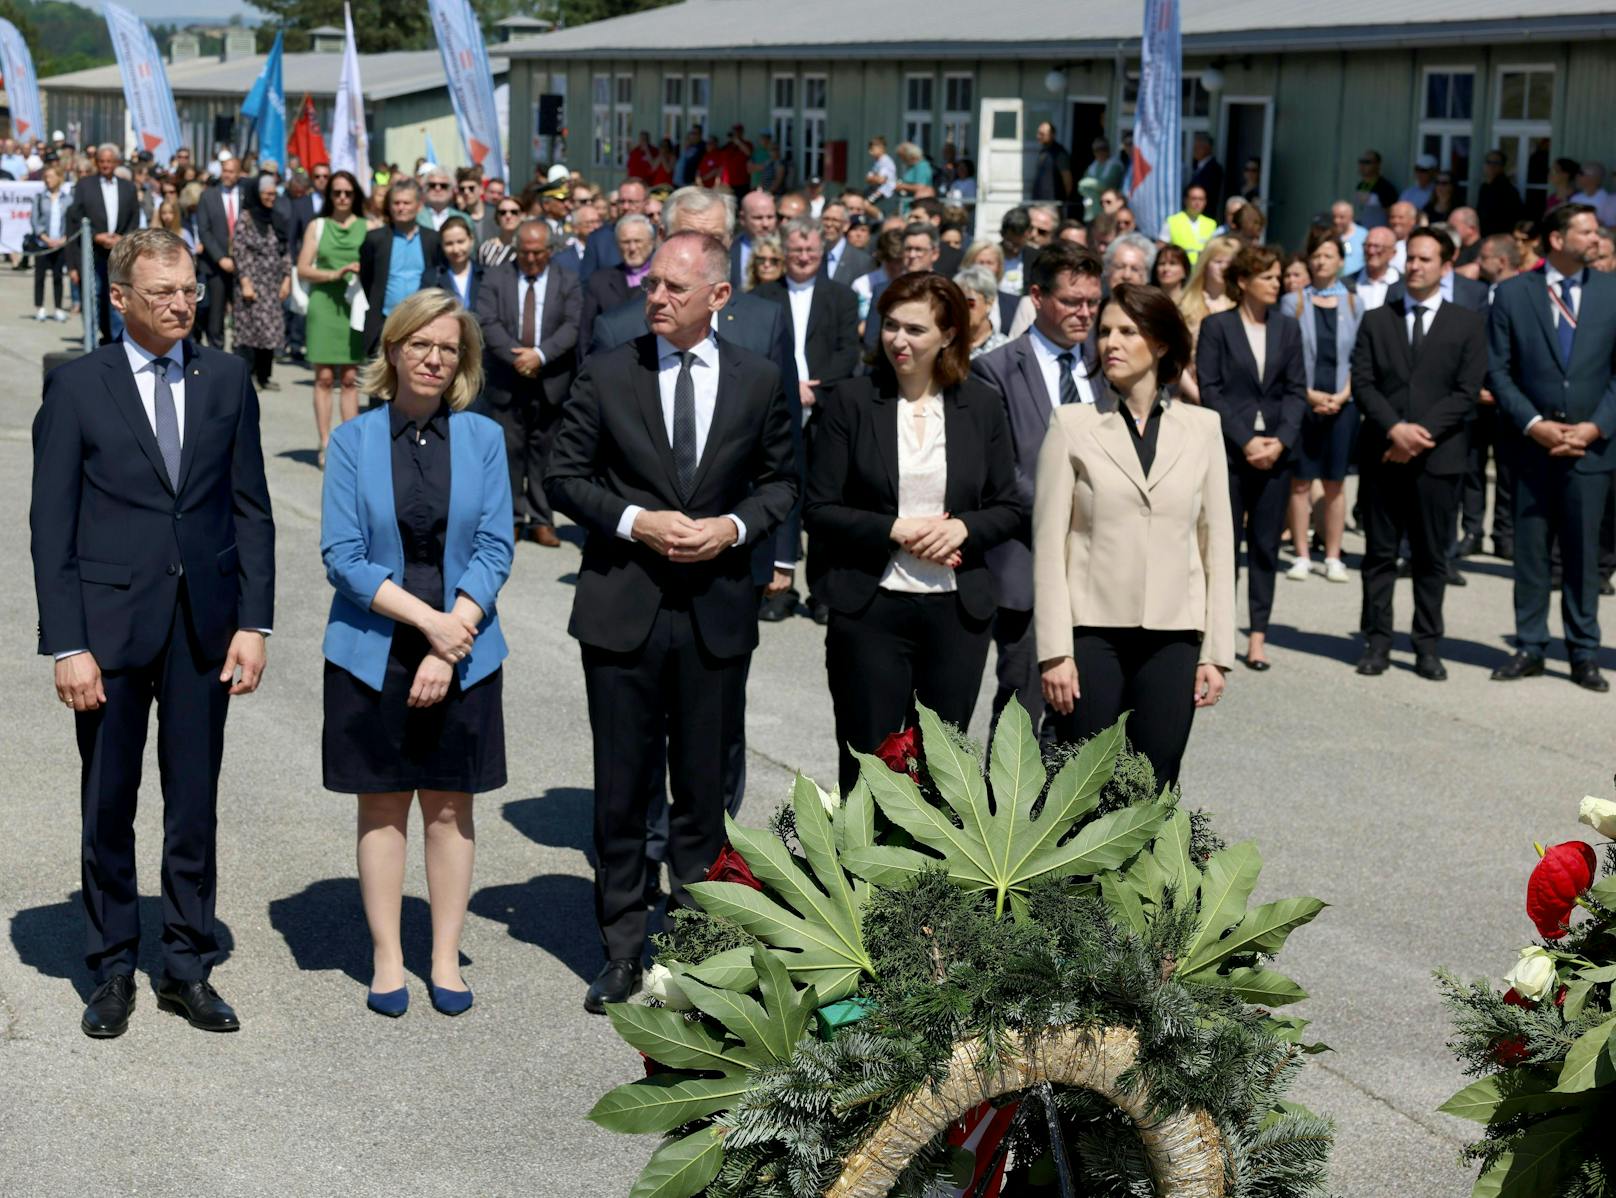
913,480
1133,554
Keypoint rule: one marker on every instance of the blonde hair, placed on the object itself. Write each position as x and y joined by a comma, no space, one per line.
977,248
380,378
1193,303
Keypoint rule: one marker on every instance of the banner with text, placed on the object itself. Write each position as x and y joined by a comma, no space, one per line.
471,83
17,214
145,84
1157,147
350,146
22,85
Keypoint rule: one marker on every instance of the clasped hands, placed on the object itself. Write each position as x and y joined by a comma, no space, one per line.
1407,442
1326,403
931,538
528,361
449,636
1263,452
679,538
1564,440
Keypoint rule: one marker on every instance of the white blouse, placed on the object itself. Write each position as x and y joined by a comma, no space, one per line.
1257,338
922,491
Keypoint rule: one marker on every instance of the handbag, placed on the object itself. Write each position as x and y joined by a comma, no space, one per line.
358,304
299,298
33,243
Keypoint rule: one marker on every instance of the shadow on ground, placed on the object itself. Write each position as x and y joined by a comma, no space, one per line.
563,818
324,926
50,939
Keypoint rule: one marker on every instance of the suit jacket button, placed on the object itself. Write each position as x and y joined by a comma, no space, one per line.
179,515
173,569
1144,509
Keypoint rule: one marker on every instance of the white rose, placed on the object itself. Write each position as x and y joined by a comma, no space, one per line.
1533,976
1598,814
661,985
832,799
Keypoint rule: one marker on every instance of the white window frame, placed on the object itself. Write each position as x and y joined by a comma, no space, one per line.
1188,125
918,123
815,118
600,97
783,113
673,109
696,114
1521,132
1446,128
957,121
622,117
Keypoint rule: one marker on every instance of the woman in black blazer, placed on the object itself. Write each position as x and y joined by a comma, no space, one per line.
1251,372
912,482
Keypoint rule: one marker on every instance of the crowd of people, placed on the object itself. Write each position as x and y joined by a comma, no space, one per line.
761,401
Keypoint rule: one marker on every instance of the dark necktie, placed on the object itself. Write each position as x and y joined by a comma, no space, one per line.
530,314
167,421
1566,331
1418,341
1068,385
684,423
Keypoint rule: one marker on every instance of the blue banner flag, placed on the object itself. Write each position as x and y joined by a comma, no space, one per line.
145,84
432,152
471,83
266,105
1157,146
22,85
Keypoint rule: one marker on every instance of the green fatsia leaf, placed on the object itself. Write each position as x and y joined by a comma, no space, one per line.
1265,987
1172,853
1102,844
682,1168
1123,899
789,1009
1263,930
665,1101
771,1027
812,952
1532,1168
887,866
730,969
670,1039
1231,876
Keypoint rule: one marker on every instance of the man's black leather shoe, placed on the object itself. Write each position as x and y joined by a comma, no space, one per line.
1586,675
616,983
1431,668
775,608
1607,587
1468,546
1455,578
199,1002
1522,665
820,612
1504,549
107,1014
1373,663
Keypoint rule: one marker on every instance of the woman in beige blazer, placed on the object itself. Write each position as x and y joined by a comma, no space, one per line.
1133,550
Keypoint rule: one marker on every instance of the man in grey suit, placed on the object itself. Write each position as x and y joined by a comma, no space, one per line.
1053,363
529,315
844,261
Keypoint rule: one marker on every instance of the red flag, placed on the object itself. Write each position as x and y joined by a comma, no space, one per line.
981,1130
305,140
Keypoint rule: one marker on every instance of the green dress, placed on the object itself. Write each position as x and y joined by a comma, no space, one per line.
328,341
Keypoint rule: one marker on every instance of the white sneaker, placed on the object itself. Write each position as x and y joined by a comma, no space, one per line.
1300,569
1334,570
61,316
41,315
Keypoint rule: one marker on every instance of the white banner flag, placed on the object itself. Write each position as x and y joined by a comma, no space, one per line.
17,213
471,83
145,84
1156,147
22,85
350,146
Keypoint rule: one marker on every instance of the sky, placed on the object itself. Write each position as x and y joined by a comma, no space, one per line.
188,9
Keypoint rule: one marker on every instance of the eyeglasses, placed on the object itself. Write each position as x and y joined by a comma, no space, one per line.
437,187
420,349
162,299
767,260
510,212
337,193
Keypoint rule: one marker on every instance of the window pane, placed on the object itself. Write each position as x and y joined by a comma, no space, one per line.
1461,96
1540,98
813,91
625,89
1004,125
698,91
1459,159
603,89
1436,96
1511,96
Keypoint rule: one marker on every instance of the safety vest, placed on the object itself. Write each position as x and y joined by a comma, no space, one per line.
1190,233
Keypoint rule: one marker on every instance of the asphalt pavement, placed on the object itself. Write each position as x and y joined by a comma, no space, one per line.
1409,806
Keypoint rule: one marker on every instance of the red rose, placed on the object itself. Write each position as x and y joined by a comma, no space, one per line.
1511,1050
1565,871
732,867
1518,1000
900,752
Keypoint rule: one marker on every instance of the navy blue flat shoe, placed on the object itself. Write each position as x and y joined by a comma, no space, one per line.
392,1004
450,1002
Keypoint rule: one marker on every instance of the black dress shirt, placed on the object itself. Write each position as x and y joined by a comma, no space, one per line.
421,500
1144,443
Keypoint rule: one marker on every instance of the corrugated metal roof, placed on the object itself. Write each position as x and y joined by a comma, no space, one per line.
972,28
400,73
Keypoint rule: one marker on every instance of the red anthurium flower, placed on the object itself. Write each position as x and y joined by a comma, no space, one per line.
731,867
1565,871
1517,1000
1511,1050
901,752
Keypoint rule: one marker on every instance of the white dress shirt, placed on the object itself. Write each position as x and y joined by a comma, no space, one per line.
704,378
58,213
1553,278
523,291
1372,292
1048,354
833,256
1430,305
801,296
922,491
109,201
140,360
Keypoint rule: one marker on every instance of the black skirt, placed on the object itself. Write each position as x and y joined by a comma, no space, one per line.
375,743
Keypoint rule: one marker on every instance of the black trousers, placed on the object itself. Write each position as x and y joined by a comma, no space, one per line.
656,814
49,263
900,648
1260,499
191,707
260,361
670,686
1016,667
103,295
1399,501
211,317
1148,673
1554,501
1490,429
529,424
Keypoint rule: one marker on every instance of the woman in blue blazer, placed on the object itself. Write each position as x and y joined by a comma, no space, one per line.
416,539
